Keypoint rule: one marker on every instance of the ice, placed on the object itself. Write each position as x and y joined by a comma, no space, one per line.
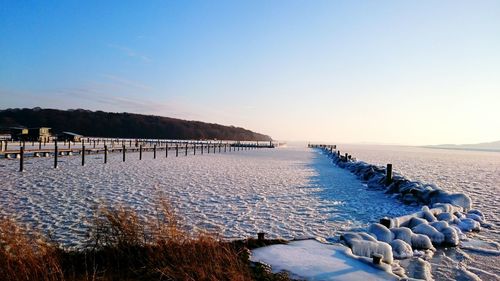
381,232
436,237
420,269
421,242
289,192
468,225
401,249
369,248
402,233
311,260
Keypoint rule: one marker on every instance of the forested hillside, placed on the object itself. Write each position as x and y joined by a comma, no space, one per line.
127,125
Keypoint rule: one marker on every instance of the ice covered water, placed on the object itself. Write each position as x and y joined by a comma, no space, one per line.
287,192
290,192
475,173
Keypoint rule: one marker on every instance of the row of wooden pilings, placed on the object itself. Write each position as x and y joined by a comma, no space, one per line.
143,146
332,150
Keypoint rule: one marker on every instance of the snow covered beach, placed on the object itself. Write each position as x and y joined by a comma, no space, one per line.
286,192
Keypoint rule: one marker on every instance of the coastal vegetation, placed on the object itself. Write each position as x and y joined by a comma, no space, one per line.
122,246
123,125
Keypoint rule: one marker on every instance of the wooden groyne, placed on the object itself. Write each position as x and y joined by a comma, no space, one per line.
169,148
346,157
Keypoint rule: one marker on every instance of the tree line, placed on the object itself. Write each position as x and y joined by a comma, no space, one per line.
122,125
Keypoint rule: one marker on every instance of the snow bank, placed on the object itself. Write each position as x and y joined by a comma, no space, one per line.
312,260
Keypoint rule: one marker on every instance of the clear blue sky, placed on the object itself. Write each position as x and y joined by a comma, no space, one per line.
408,72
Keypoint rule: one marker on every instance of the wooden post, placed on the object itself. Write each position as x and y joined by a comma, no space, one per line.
208,148
186,152
83,155
21,159
55,155
214,148
202,148
123,149
166,150
377,258
385,222
261,236
194,148
388,174
154,151
140,152
219,147
176,150
105,154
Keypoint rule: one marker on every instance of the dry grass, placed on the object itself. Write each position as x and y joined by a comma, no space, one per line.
124,247
26,257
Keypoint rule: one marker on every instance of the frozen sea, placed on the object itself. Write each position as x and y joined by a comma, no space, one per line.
476,173
290,192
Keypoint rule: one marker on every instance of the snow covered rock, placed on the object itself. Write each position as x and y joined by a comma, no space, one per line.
457,199
368,248
381,232
429,231
420,269
476,212
475,217
448,217
439,225
415,221
468,225
348,237
420,241
402,233
401,249
450,236
427,215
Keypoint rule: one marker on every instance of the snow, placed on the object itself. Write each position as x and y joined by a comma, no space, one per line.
381,232
285,192
312,260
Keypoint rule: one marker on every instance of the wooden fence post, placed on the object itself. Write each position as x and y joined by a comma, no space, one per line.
388,174
123,149
105,154
166,150
83,155
140,152
176,150
154,151
186,152
55,154
194,148
21,159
